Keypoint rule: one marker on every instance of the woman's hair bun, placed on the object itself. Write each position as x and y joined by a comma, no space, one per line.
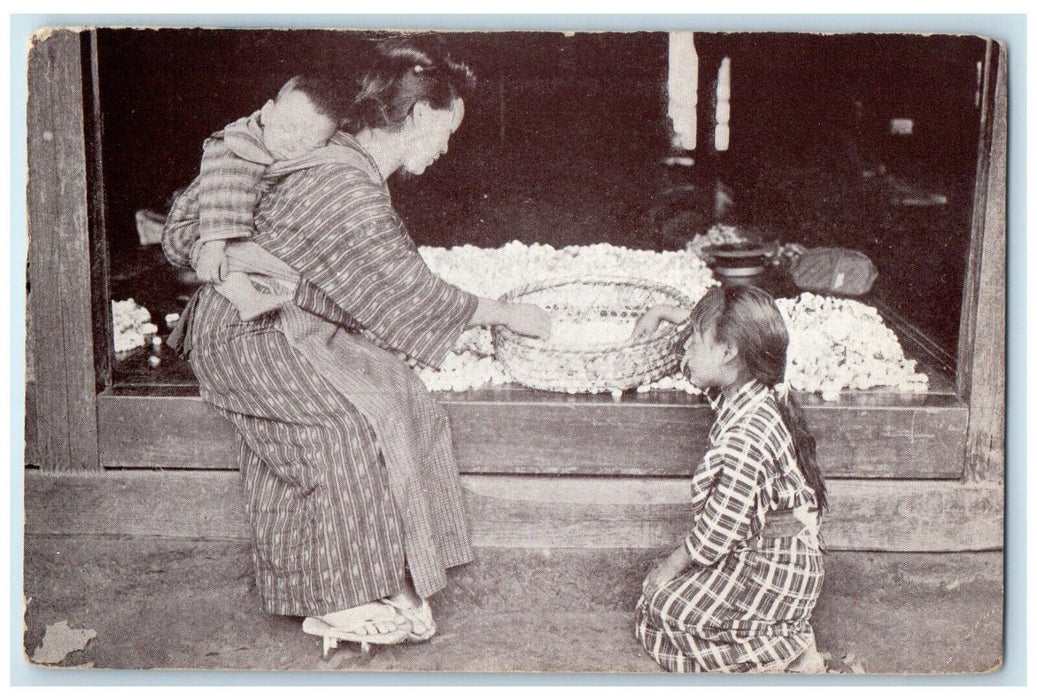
406,70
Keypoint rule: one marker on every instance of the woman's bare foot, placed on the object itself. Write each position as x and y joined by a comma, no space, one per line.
406,596
373,617
418,615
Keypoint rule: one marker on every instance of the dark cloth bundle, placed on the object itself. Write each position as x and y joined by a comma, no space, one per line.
834,271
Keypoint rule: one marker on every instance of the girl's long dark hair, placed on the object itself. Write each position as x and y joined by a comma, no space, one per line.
748,318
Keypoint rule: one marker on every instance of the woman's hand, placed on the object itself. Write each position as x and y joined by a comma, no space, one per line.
666,570
524,319
528,320
212,265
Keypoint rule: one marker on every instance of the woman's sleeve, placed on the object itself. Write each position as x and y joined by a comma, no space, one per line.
728,501
365,262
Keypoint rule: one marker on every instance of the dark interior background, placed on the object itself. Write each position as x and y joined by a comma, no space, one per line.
563,144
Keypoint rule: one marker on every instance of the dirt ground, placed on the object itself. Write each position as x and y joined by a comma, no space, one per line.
191,604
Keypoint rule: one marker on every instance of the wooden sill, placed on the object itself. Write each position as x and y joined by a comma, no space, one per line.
524,511
512,430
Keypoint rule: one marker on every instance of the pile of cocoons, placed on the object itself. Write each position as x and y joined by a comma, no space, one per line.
719,234
131,325
492,272
835,344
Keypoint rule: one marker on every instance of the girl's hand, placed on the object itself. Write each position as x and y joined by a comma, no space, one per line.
650,320
666,570
647,324
657,577
212,263
528,320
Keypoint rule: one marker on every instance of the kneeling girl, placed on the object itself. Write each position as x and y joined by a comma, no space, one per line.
737,594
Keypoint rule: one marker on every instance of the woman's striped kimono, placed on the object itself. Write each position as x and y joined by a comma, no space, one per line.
327,533
745,602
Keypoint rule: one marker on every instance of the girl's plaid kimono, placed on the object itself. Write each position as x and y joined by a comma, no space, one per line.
745,602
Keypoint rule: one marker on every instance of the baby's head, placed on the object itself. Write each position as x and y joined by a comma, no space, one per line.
304,115
737,333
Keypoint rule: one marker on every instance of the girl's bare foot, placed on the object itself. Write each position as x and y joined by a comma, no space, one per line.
810,661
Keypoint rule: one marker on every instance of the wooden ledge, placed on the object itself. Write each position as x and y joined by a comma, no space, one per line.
525,511
519,431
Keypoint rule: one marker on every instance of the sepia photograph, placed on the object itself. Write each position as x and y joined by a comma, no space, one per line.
497,351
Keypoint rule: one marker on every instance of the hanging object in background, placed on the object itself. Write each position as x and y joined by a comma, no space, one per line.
682,87
723,201
834,271
149,226
901,126
722,130
906,194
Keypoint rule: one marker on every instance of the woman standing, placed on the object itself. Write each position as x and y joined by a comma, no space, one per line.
331,539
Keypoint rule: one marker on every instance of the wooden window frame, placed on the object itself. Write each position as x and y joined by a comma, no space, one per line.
80,422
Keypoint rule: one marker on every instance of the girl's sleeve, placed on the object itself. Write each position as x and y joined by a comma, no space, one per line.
735,472
358,253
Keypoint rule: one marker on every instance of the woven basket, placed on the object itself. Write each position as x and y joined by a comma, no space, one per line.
592,368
